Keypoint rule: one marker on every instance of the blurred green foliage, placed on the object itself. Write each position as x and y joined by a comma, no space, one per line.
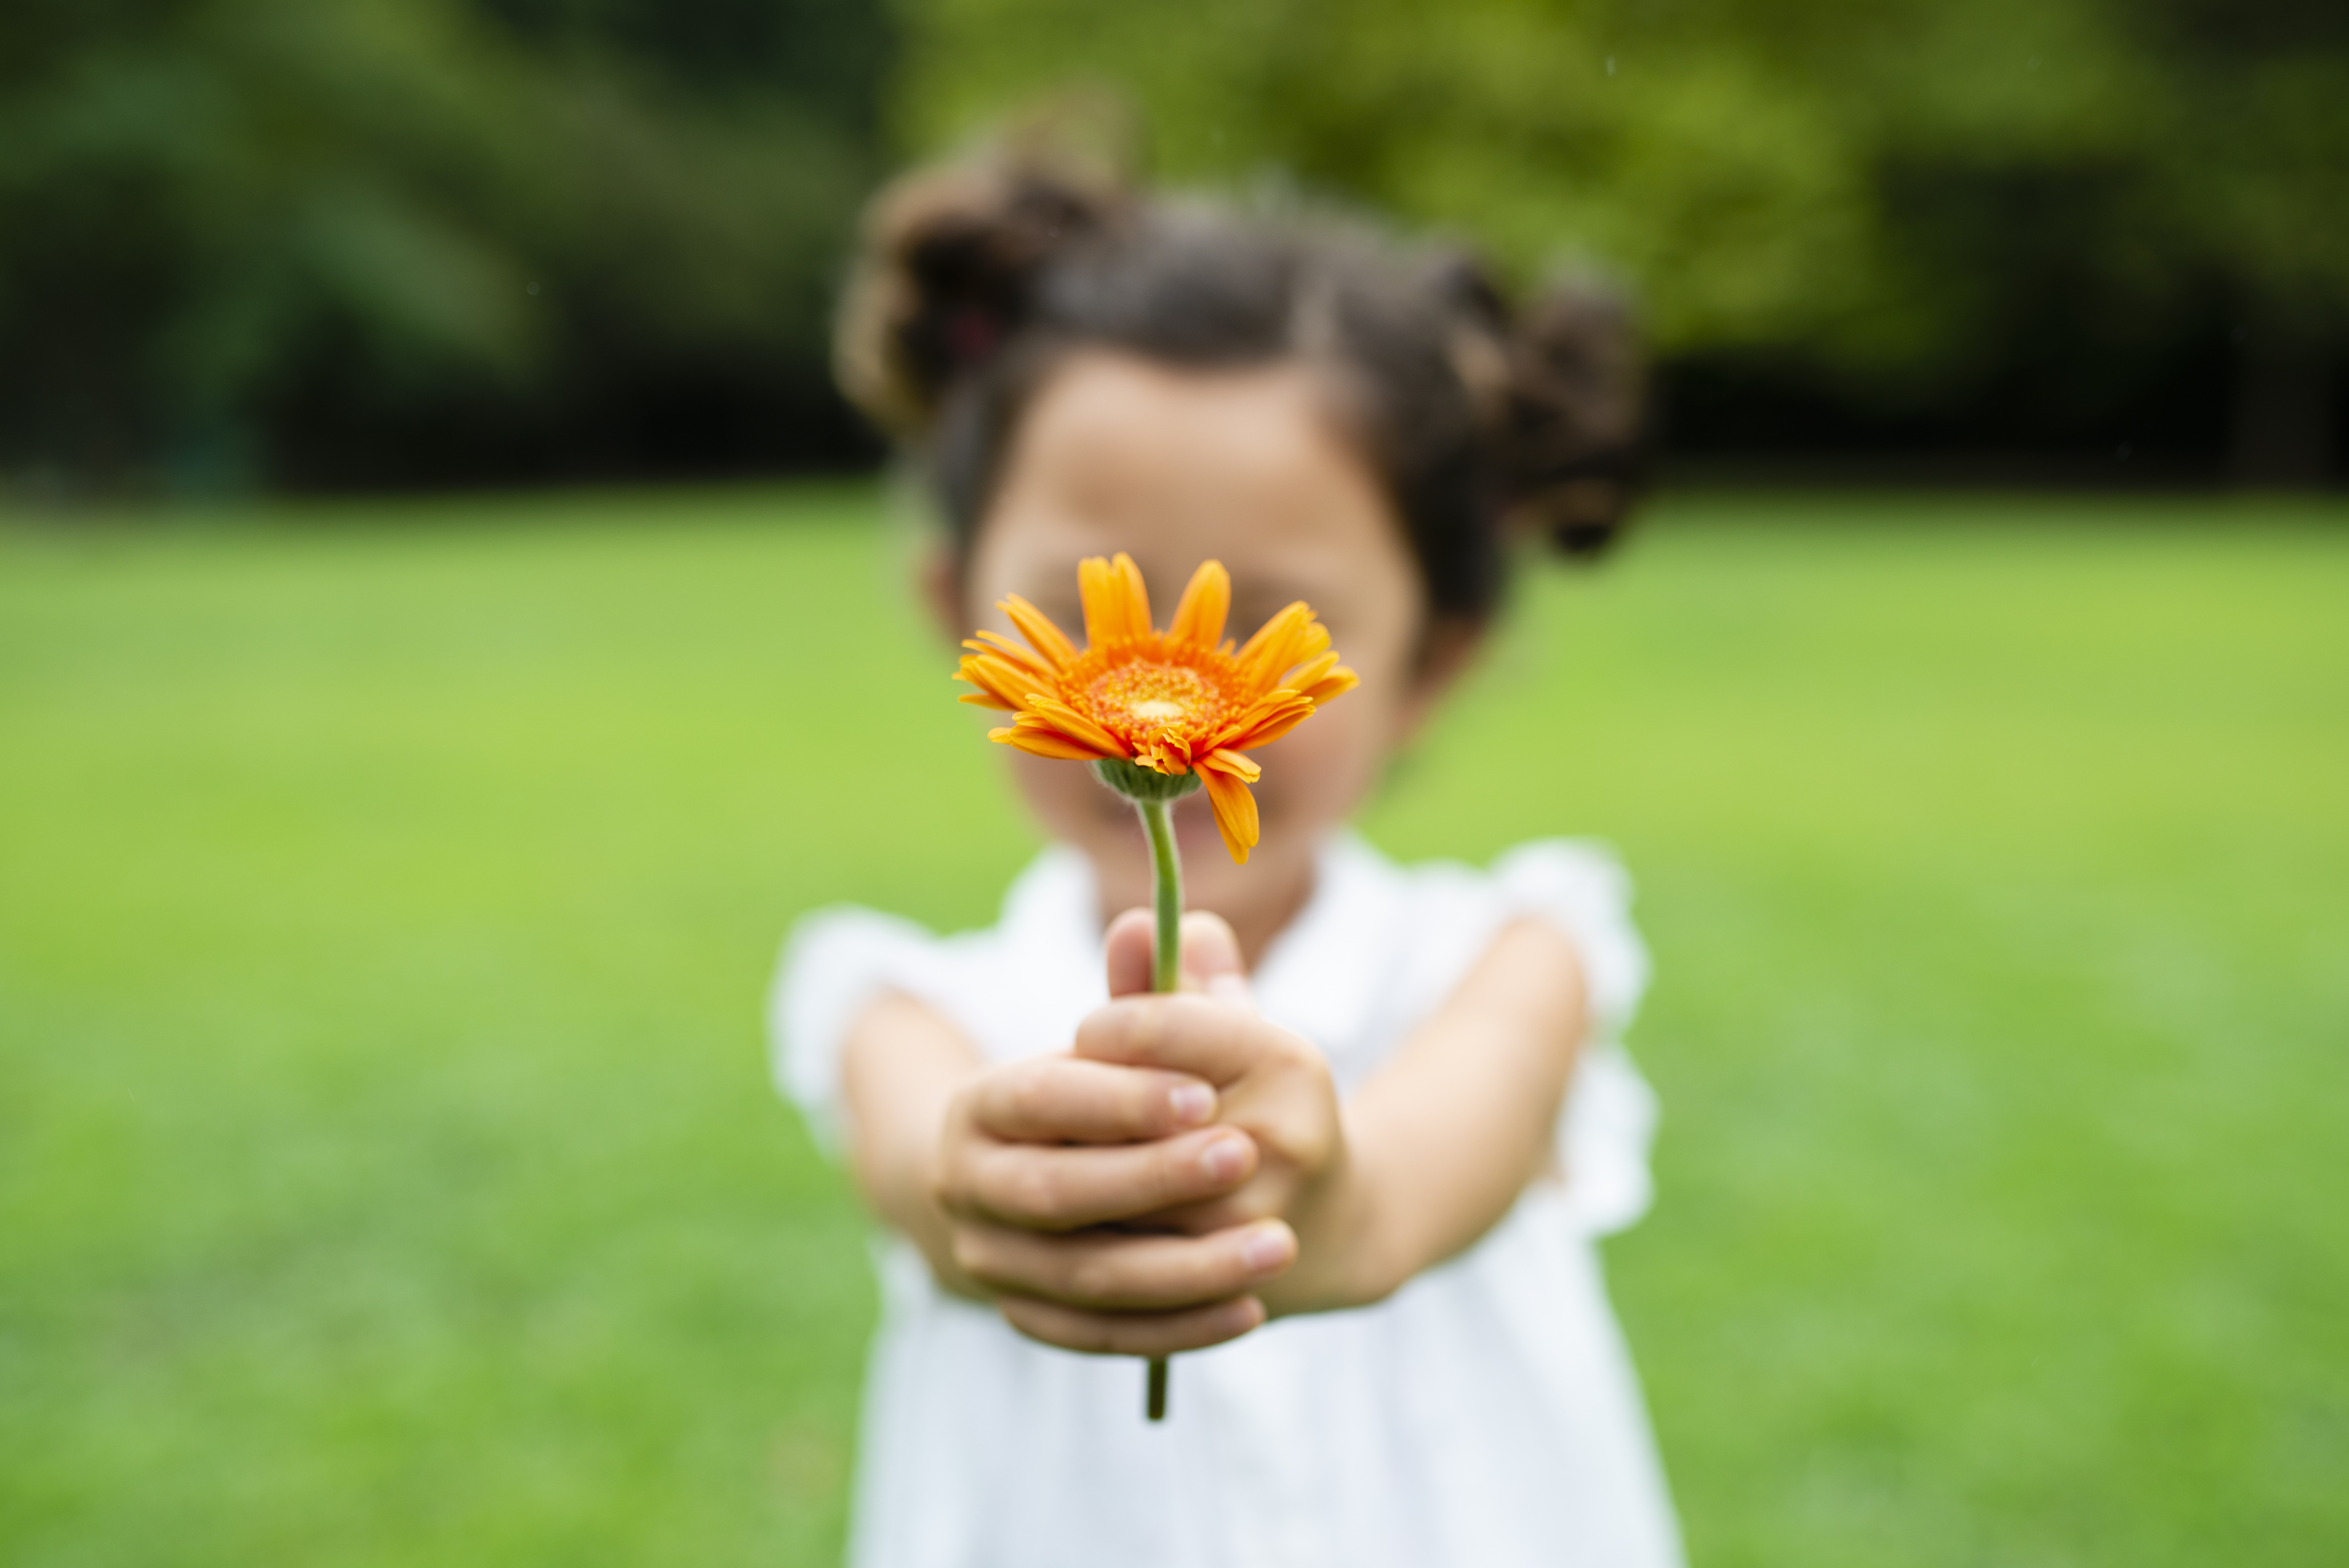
1921,196
353,242
352,239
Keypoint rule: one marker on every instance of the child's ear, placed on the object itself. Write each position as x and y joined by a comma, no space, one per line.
940,585
1451,648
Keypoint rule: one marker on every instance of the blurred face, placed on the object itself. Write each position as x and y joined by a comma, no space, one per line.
1175,468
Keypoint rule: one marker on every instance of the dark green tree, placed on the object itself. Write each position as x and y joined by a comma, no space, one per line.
347,240
2027,200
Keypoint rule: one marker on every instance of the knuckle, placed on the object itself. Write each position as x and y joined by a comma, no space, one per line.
1294,1129
1068,1330
1174,1174
1142,1035
1296,1054
1101,1036
1092,1278
1024,1097
1038,1192
949,1186
1209,1268
1303,1154
1259,1197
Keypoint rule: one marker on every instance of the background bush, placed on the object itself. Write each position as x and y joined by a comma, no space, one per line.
358,242
2031,224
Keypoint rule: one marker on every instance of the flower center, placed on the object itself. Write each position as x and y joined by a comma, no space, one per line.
1141,699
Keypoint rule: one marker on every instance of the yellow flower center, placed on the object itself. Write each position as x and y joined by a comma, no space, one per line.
1145,700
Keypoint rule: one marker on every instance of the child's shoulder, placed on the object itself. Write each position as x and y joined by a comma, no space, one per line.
1040,960
1581,872
1577,885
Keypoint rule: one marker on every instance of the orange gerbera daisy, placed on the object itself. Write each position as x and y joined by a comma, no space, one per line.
1158,713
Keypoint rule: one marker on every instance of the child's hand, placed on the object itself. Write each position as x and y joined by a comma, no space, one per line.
1272,1085
1038,1159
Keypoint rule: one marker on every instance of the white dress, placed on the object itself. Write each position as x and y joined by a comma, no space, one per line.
1486,1416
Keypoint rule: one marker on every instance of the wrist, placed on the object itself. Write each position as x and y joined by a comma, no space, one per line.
923,1214
1346,1256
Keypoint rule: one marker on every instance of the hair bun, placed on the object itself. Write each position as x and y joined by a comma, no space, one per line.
1570,418
947,271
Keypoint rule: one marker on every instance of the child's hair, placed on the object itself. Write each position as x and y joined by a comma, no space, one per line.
976,280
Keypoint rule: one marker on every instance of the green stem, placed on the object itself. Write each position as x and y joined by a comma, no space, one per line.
1165,975
1166,889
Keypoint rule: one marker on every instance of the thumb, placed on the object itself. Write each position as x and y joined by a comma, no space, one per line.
1211,956
1128,946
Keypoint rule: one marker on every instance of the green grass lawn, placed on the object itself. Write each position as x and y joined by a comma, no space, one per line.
389,1172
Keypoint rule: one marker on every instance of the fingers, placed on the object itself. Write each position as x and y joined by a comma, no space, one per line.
1140,1334
1128,946
1037,1187
1065,1099
1211,955
1184,1034
1261,1198
1108,1270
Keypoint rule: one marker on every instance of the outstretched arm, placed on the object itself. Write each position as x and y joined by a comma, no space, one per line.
1449,1132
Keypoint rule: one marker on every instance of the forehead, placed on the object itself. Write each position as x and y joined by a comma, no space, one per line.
1179,466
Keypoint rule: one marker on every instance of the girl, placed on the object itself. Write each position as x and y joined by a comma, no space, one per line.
1364,1159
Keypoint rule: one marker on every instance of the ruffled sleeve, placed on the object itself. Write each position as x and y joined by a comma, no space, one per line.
835,962
1610,1119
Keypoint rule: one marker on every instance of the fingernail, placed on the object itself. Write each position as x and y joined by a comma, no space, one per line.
1225,1158
1266,1249
1191,1103
1230,988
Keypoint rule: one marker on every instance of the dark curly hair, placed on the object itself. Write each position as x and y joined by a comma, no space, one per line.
1482,418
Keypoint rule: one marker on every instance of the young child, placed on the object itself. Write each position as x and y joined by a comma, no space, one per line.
1352,1177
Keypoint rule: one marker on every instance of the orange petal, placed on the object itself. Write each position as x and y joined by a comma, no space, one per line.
1287,640
1117,608
1337,683
1231,763
1311,670
1275,726
1267,722
1137,596
1280,626
1004,648
1043,743
1311,644
1098,591
1199,618
1235,816
997,677
986,700
1163,758
1037,627
1043,708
